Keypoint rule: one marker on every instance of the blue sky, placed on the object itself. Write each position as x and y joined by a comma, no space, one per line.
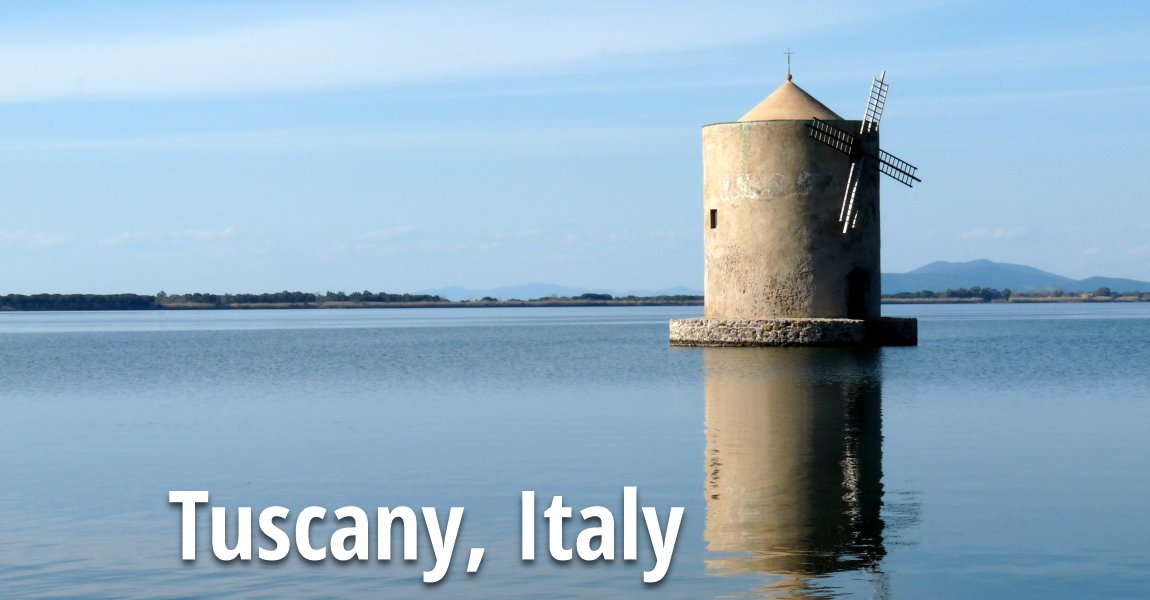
256,146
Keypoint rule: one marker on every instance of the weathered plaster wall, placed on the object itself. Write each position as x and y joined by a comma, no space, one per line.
778,249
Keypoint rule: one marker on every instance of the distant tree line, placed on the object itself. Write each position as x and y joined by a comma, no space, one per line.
593,298
984,294
585,297
31,302
286,299
77,302
366,296
667,299
991,294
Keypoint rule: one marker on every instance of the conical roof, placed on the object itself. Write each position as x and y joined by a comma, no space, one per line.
790,103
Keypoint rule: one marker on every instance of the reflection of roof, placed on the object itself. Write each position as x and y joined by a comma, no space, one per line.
790,102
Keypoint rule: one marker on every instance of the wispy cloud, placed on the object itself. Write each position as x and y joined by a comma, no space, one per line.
993,233
522,239
1137,251
1072,94
1030,52
373,239
31,239
671,234
1041,51
394,45
185,235
204,235
514,138
384,234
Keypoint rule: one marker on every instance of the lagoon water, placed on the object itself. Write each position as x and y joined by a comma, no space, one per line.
1005,456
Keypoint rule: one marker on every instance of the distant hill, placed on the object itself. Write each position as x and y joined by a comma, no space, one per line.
941,276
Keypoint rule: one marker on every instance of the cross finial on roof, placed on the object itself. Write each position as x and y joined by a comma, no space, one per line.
788,53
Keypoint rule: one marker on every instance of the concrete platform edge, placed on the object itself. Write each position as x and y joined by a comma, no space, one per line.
885,331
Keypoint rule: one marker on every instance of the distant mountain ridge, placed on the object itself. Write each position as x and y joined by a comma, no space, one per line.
937,277
940,276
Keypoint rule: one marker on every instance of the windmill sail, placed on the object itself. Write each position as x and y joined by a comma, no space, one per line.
832,136
875,104
863,163
848,214
897,168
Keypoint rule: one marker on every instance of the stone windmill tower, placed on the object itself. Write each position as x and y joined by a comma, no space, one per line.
791,227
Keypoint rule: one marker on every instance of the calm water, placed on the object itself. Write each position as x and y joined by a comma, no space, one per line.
1004,456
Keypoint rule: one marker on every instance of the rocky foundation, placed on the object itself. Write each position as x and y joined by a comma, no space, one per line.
885,331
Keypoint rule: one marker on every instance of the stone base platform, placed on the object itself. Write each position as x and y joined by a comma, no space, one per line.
886,331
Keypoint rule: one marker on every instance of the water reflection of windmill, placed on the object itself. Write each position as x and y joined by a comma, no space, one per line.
794,465
864,164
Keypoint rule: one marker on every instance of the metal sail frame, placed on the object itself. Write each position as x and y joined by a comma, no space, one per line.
863,163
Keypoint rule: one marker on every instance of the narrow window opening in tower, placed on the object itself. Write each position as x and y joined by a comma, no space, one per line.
714,218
